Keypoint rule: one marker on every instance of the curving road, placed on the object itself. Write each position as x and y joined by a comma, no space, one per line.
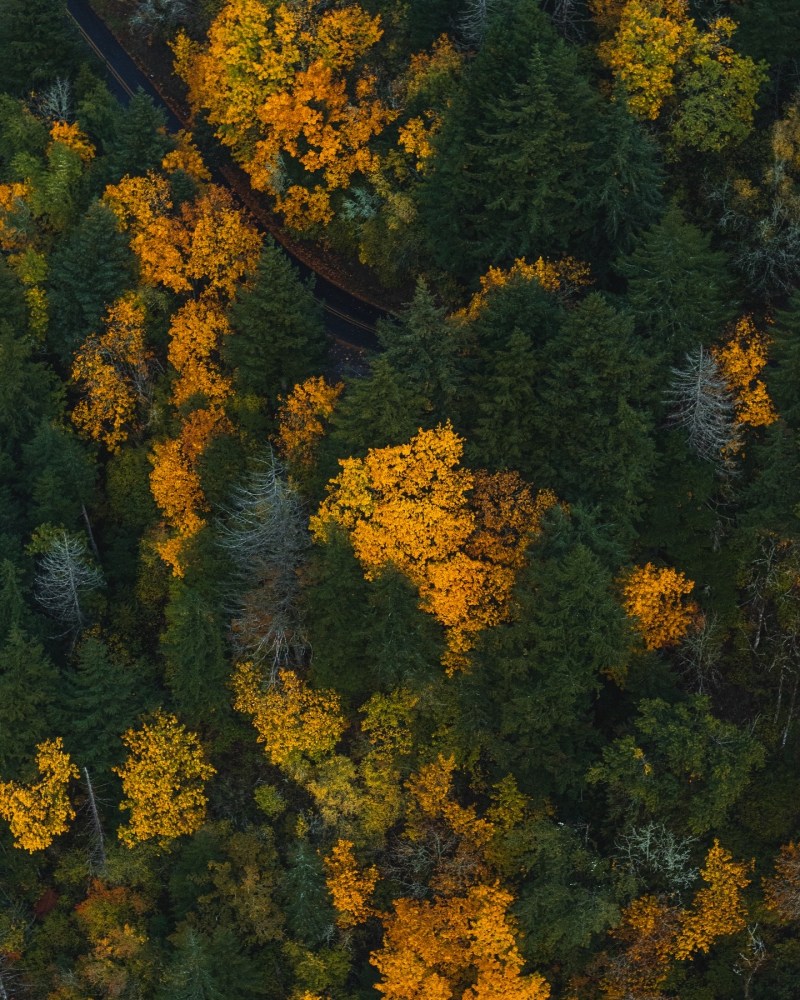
348,318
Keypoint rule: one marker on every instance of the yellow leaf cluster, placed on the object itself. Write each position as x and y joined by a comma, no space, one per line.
782,890
71,136
655,598
30,266
12,199
186,157
163,781
432,949
292,720
280,80
410,505
301,419
112,370
554,276
40,811
717,910
741,360
655,932
350,886
652,37
196,332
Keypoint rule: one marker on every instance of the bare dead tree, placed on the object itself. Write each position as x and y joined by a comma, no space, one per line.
97,859
160,16
702,405
265,535
474,20
653,849
700,655
63,579
55,101
751,959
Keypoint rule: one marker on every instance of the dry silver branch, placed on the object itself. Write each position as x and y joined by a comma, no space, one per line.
63,580
266,537
702,404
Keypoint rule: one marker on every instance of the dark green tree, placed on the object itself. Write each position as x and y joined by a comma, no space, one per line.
592,432
141,140
528,701
29,686
680,290
279,337
77,306
27,389
510,170
37,44
306,901
59,477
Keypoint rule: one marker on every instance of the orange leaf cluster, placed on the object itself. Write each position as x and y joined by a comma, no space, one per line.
431,950
410,505
280,80
741,361
350,886
186,157
112,370
655,933
554,276
655,598
196,332
301,419
40,811
292,720
163,781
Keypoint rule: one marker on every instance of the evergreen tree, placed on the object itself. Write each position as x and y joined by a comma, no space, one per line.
103,694
141,141
423,349
59,477
37,44
784,378
528,701
279,338
12,604
593,443
12,300
680,291
94,247
27,389
29,686
307,904
510,171
627,180
194,655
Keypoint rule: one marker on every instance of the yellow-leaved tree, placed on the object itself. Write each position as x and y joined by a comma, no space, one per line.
350,885
287,88
458,948
656,599
741,360
113,371
40,811
459,536
564,276
163,780
302,416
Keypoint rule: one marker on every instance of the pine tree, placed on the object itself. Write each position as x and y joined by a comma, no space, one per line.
679,290
29,687
307,904
279,337
141,140
94,247
509,162
594,443
37,44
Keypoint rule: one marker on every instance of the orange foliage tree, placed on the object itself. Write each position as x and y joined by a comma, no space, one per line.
655,598
461,947
410,505
40,811
292,720
285,86
196,333
741,361
565,275
656,932
301,419
163,780
113,370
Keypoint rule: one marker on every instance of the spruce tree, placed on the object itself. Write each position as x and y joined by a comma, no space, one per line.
29,687
680,290
279,338
141,140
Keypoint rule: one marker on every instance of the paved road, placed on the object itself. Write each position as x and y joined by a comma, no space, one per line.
347,318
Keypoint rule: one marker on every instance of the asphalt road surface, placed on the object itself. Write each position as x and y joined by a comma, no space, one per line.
348,319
